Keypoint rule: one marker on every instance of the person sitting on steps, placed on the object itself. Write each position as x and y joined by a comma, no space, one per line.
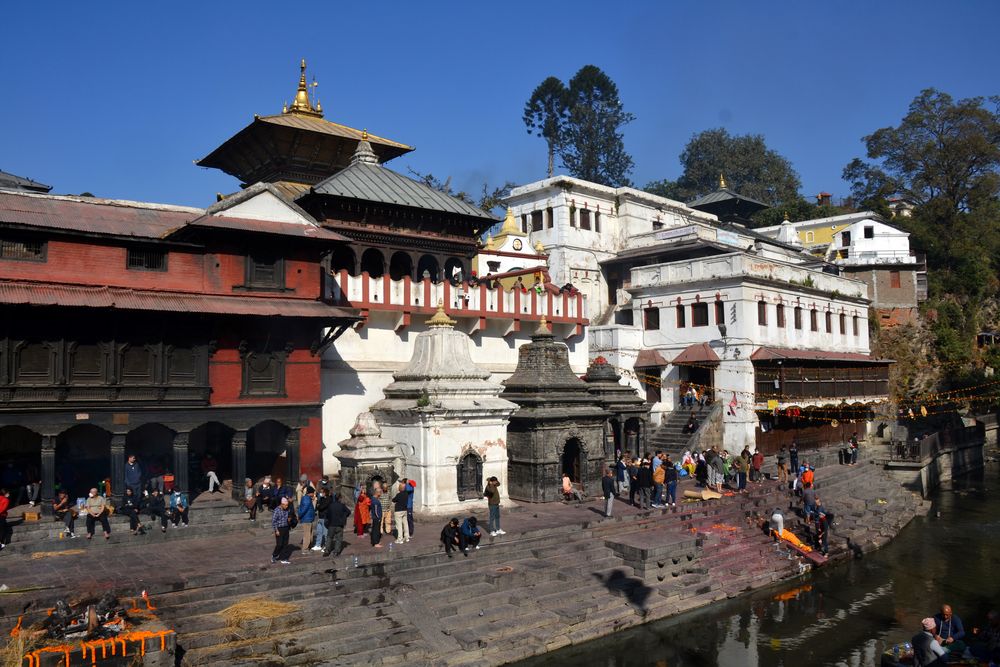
179,507
63,510
452,537
472,532
569,491
157,508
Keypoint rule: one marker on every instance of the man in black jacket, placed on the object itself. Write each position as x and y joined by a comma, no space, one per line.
157,508
644,480
336,518
608,487
452,538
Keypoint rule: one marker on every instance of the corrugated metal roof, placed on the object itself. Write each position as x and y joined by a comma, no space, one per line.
775,353
8,180
372,182
328,127
32,293
303,231
97,216
699,353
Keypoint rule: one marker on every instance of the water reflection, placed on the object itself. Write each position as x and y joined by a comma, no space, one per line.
843,615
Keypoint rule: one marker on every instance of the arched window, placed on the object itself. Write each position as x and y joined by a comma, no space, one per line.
342,258
373,263
400,265
428,265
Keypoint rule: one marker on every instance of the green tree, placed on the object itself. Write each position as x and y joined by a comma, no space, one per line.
750,167
592,147
943,151
545,114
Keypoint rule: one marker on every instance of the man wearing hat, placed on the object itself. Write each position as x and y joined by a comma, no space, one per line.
926,650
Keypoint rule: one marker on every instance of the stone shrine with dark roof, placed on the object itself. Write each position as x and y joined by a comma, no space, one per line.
559,427
626,429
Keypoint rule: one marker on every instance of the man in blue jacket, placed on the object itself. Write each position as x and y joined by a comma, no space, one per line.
949,628
133,476
307,515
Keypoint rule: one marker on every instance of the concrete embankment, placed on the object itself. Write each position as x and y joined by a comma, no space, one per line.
561,576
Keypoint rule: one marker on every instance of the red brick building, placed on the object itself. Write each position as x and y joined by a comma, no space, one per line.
169,332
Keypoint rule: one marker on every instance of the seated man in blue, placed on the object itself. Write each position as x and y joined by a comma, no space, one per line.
949,632
472,532
179,507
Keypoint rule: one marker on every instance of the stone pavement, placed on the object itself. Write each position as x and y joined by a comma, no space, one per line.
562,575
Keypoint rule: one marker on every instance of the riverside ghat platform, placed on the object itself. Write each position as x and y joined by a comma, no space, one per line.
563,574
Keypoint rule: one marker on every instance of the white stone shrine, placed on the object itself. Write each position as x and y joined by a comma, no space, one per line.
450,422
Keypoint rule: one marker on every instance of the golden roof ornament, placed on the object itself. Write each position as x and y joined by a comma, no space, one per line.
510,226
543,328
722,182
489,242
301,104
440,318
539,248
786,217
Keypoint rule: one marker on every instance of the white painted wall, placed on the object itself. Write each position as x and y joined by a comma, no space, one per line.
360,364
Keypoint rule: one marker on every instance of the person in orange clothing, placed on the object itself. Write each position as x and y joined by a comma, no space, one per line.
807,476
362,513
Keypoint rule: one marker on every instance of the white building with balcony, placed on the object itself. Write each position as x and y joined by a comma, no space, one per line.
680,297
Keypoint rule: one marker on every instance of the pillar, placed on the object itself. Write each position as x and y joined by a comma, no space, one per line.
117,467
181,441
620,442
239,463
48,471
292,457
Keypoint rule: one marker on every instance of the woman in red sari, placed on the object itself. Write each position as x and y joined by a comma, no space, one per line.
362,513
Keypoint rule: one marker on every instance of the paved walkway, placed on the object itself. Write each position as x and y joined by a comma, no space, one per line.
92,567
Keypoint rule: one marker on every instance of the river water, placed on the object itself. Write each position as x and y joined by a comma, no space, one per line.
846,614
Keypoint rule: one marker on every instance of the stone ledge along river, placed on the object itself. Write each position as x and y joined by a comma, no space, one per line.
846,614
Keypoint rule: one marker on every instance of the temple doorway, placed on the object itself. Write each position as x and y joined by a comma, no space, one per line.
20,461
266,443
209,448
470,477
572,459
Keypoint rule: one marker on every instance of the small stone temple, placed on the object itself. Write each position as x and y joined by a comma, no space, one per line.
366,455
625,431
559,426
449,419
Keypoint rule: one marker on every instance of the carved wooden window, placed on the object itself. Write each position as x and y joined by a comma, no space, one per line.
137,365
720,312
34,364
762,313
843,324
264,374
584,218
550,218
857,330
798,317
182,366
780,315
813,320
829,322
265,271
86,364
470,477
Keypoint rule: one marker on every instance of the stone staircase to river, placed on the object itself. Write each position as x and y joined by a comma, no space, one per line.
528,593
520,595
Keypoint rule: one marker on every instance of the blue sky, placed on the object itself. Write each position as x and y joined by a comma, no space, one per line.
119,98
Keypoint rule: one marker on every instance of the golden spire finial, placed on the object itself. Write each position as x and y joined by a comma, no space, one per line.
364,135
786,217
543,328
441,318
301,104
722,182
510,226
